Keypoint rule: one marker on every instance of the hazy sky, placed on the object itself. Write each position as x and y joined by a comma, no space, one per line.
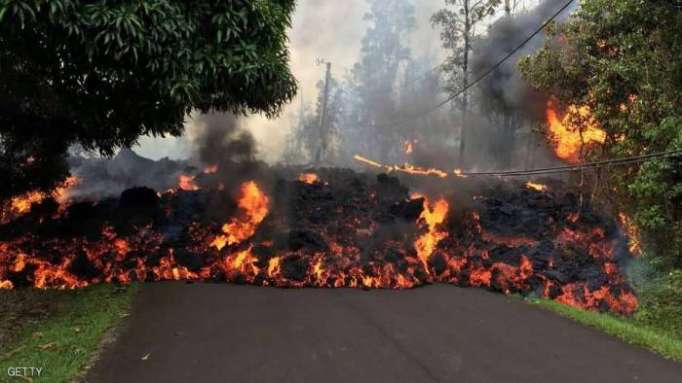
321,29
331,30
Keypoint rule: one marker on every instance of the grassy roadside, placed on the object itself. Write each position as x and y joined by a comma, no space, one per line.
629,330
657,323
65,332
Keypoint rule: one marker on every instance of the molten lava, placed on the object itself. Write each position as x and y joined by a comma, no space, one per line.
344,232
574,130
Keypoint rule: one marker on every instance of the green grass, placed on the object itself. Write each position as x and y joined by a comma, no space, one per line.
63,340
630,330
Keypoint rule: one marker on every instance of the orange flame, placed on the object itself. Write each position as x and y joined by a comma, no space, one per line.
406,168
572,131
22,204
309,178
408,146
254,204
632,231
187,183
536,186
432,216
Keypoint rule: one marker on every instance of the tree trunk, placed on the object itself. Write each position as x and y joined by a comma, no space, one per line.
465,84
322,149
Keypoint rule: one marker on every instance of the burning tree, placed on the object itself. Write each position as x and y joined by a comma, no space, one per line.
615,66
102,74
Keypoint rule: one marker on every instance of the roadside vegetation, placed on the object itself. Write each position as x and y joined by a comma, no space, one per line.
618,59
58,331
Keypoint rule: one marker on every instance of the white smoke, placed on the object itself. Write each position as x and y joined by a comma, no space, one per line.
327,30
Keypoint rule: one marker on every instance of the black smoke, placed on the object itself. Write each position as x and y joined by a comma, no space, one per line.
504,89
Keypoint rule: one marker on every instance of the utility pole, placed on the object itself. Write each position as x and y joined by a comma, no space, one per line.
301,125
322,149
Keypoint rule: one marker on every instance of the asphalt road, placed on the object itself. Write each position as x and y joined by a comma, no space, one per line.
225,333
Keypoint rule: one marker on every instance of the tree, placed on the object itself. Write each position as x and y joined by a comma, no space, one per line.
621,59
100,74
459,21
373,78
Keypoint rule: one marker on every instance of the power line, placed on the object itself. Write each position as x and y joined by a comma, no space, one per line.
484,74
574,168
532,172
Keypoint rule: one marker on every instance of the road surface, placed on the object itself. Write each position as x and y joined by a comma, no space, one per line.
224,333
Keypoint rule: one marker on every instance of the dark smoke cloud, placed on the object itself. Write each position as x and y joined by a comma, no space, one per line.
218,140
505,89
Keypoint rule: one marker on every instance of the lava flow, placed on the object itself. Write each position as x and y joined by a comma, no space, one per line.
329,229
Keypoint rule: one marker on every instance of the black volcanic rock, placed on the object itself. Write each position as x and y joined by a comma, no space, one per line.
139,198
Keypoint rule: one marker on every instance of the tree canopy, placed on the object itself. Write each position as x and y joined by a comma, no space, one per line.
622,60
101,73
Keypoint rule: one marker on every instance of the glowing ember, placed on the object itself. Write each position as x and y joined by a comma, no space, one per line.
408,146
406,168
573,131
187,183
254,205
62,193
211,169
411,169
22,204
536,186
367,161
632,231
309,178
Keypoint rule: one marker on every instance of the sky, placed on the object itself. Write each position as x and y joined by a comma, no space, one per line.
321,30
